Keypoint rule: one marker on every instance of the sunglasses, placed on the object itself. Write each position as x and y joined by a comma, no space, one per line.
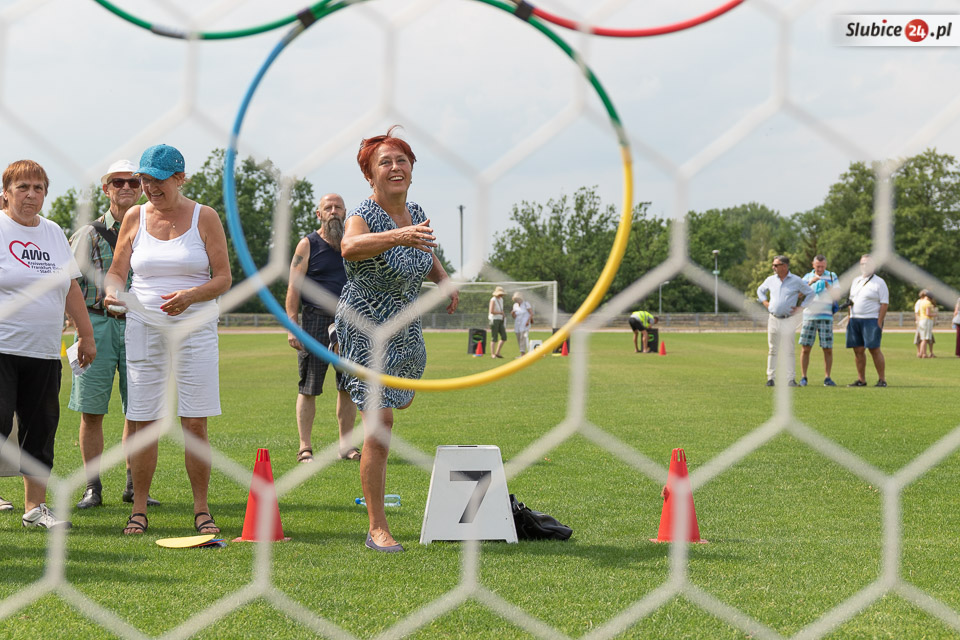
779,264
133,183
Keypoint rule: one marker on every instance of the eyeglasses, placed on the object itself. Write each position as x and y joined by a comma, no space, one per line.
133,183
779,264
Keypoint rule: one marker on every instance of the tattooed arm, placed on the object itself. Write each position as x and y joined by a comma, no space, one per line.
298,269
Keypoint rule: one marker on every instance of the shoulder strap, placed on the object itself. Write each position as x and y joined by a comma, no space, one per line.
110,235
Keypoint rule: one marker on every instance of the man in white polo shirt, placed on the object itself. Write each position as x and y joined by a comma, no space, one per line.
869,299
784,290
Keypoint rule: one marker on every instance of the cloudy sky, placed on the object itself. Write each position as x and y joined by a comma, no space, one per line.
762,104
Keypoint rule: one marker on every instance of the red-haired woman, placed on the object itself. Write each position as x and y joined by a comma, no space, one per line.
387,248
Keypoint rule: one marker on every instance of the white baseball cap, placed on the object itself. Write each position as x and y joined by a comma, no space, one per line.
120,166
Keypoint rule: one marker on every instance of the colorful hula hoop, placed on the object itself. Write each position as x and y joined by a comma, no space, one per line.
445,384
525,9
310,13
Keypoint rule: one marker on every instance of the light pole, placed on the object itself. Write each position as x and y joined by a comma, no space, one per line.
460,275
660,313
716,283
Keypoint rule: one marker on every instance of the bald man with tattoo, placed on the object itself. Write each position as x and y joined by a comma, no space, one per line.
317,277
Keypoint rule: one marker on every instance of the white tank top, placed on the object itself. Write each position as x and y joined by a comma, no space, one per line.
161,267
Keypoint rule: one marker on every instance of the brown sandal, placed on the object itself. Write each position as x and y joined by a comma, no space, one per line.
305,455
352,454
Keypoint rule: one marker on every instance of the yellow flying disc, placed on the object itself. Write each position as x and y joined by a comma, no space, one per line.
186,542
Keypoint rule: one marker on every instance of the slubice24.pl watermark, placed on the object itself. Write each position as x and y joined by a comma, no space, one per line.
896,30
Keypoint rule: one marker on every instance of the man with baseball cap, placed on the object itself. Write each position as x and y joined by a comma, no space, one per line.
93,246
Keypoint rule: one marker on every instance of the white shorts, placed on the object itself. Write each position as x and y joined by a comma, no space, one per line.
925,328
196,374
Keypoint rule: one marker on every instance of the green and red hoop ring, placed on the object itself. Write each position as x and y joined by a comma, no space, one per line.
314,10
524,10
306,20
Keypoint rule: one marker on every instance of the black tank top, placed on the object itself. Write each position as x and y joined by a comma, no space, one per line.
325,268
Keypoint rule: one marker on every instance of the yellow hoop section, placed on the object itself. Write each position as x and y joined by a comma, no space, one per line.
554,341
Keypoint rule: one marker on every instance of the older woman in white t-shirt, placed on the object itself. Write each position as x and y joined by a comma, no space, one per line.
37,283
177,251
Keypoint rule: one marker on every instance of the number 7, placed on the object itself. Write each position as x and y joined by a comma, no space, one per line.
482,478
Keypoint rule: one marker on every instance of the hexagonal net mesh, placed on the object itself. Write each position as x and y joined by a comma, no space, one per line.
481,173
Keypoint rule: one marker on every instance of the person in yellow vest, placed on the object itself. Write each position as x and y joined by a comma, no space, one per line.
641,322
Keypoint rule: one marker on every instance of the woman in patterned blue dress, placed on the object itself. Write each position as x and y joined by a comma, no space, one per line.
387,250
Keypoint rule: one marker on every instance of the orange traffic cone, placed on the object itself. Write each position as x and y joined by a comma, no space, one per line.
564,350
677,478
663,348
479,351
262,501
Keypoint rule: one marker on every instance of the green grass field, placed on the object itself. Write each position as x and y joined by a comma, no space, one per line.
792,533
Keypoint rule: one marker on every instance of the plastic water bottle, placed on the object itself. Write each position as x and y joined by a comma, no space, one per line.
389,500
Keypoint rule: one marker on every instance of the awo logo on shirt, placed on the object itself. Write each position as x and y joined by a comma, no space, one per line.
30,255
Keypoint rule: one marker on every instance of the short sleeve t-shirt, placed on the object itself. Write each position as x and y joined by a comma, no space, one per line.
867,294
36,269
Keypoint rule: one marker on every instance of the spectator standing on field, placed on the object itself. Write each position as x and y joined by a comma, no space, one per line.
818,320
93,246
784,290
35,258
177,250
498,331
924,315
869,299
522,314
956,325
317,258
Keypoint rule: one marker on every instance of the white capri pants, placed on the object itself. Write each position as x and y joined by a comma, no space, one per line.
196,374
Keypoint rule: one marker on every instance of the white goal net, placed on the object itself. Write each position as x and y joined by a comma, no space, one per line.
498,114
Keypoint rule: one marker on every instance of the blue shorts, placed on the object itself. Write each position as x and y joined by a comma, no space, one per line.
864,332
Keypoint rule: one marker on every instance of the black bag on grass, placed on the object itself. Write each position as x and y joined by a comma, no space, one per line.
533,525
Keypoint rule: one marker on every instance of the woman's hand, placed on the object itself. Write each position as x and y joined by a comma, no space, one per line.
418,236
454,301
111,300
177,302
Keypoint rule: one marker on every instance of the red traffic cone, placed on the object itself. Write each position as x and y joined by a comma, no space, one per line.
663,348
479,350
564,350
677,478
262,501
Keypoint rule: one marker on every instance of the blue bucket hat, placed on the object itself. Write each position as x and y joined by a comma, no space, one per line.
161,161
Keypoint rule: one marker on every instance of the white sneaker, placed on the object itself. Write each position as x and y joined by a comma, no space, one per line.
41,516
5,505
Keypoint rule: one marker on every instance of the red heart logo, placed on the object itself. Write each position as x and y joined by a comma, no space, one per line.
24,245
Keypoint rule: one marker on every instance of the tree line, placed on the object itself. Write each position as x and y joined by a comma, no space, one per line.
568,239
